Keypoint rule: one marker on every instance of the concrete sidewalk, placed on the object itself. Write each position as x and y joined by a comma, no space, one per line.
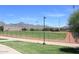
40,41
7,50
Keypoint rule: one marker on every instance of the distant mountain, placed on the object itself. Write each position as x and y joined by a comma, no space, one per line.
22,25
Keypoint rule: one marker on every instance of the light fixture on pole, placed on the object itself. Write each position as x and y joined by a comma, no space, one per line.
44,30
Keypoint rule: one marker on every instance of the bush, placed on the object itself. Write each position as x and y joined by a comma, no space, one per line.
32,29
46,29
24,29
1,28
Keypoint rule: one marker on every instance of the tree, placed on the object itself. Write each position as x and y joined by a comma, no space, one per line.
24,29
74,24
45,29
32,29
51,29
1,28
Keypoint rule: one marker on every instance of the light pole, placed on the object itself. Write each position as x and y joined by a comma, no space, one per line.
59,23
44,30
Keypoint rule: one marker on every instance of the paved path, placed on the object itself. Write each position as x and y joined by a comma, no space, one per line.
40,41
7,50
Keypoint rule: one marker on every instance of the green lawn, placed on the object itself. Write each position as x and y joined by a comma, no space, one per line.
38,34
34,48
3,39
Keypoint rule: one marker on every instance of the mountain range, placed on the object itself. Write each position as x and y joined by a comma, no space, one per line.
22,25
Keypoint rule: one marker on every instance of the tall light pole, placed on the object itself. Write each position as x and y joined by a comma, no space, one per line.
59,23
44,30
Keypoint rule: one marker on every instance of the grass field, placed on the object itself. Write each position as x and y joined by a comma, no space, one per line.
38,34
34,48
3,39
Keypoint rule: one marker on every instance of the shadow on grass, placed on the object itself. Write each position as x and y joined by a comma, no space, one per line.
70,50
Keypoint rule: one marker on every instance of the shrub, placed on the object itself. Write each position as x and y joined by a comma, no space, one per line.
32,29
24,29
1,28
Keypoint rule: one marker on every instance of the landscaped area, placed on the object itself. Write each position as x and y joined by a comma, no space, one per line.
34,48
37,34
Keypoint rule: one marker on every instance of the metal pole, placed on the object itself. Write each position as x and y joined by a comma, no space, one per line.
44,30
59,23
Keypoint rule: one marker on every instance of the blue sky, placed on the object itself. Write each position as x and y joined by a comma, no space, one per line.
57,15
